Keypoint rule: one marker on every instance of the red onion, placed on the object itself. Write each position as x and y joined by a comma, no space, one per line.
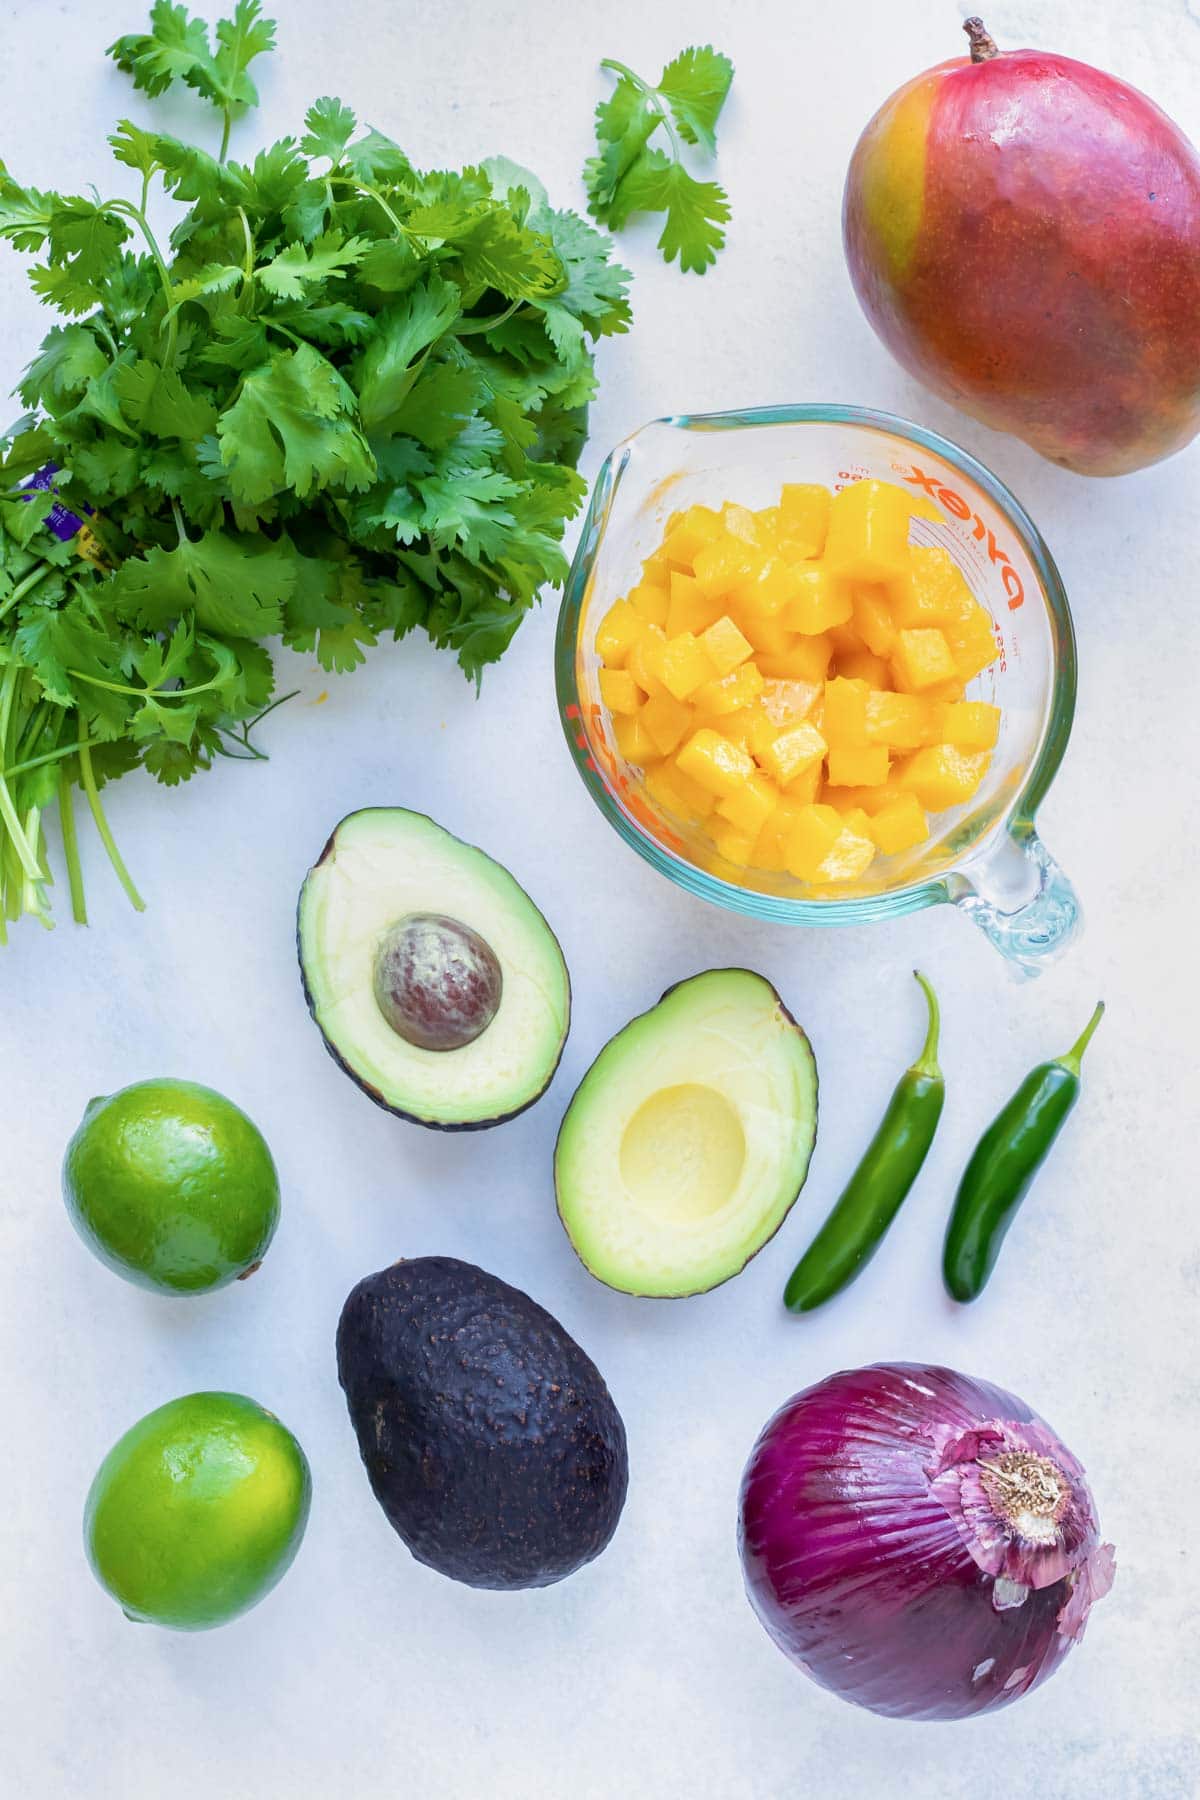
919,1542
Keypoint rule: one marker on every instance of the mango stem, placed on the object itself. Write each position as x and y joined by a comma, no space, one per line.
983,44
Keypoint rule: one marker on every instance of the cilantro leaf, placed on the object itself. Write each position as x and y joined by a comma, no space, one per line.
292,426
174,49
299,266
383,373
696,210
156,399
696,84
232,586
177,48
629,174
328,127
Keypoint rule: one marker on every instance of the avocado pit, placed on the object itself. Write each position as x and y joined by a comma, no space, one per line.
437,982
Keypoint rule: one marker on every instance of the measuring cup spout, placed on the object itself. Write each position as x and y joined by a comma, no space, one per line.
1021,900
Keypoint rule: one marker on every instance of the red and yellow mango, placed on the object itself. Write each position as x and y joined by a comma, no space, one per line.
1023,232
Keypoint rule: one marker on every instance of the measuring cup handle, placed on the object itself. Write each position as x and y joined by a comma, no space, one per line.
1022,901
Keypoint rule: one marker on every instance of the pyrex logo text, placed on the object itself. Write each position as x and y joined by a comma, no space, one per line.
957,507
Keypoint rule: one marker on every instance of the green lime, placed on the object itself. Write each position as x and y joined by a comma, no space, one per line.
197,1511
172,1186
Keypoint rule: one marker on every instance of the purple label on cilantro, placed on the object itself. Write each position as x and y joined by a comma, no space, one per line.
62,523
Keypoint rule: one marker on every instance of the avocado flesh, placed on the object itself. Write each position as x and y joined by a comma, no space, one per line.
489,1437
689,1137
384,864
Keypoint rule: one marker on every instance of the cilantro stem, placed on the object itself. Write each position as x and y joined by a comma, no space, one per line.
648,93
363,187
470,326
130,211
143,693
88,777
25,586
70,839
33,888
227,128
97,324
9,817
38,762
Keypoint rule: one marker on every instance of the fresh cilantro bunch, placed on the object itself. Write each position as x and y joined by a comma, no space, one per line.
343,400
631,175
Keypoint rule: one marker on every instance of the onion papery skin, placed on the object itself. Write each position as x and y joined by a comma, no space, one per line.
873,1558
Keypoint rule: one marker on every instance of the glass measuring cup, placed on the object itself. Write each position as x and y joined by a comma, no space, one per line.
985,857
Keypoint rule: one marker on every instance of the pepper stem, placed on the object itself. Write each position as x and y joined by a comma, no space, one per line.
983,44
927,1062
1074,1055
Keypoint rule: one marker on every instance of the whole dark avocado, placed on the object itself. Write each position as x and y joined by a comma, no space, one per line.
490,1439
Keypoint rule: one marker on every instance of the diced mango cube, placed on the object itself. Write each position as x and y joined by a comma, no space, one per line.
715,761
767,632
792,750
738,726
852,853
617,632
634,741
809,840
770,590
922,658
942,776
972,643
804,512
680,795
689,607
806,659
667,721
899,825
862,665
651,601
730,692
855,818
786,701
845,717
819,601
807,785
857,765
690,532
643,659
682,665
899,720
934,592
740,523
750,806
619,691
868,531
725,646
969,724
723,563
873,618
735,846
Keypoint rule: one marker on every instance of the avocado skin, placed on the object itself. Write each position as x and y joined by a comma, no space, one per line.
489,1437
367,1087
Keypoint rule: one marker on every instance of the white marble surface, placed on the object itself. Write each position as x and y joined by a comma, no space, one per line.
646,1675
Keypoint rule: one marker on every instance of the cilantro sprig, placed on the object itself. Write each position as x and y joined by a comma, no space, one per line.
341,401
630,174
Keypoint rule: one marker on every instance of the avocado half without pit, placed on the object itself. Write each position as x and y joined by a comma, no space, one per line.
689,1138
435,981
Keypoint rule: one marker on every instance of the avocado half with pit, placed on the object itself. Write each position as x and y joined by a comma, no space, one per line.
435,981
689,1138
